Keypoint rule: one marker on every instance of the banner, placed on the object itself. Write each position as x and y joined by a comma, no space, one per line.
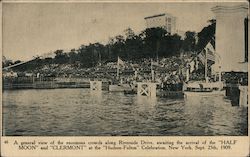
120,62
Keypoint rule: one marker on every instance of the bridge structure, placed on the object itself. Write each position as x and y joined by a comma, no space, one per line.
43,56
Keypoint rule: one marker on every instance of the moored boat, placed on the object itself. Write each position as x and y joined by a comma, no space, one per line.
204,89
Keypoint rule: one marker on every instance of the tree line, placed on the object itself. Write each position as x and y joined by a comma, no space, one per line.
149,43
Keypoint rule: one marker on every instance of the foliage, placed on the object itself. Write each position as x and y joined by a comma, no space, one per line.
150,43
206,35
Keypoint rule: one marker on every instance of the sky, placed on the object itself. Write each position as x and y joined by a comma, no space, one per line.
31,29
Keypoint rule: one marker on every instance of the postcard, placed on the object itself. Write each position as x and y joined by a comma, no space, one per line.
124,78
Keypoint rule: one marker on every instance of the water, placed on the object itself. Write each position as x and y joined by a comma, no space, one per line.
67,112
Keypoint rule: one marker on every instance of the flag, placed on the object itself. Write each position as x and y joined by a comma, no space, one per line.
192,66
210,52
120,62
210,56
210,47
201,57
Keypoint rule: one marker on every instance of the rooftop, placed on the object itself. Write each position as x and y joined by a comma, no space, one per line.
158,15
148,17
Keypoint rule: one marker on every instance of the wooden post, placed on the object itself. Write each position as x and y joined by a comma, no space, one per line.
219,73
187,75
96,85
146,89
243,100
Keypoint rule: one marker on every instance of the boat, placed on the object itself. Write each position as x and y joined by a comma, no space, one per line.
170,90
169,94
204,88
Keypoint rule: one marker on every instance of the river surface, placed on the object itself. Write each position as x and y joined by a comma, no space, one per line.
79,112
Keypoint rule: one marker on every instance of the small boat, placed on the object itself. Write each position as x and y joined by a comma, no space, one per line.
204,89
170,90
204,93
170,94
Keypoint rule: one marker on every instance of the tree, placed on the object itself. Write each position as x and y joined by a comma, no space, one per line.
134,47
152,38
170,46
118,48
206,34
130,34
7,63
189,41
61,57
99,50
73,57
91,54
149,43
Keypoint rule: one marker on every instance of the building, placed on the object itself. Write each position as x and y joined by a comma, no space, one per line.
232,37
165,20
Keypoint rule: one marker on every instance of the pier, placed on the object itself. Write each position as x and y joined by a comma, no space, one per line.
146,89
243,98
44,83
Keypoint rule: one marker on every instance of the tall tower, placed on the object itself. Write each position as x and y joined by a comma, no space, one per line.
231,38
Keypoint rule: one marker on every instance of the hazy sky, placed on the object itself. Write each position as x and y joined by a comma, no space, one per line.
30,29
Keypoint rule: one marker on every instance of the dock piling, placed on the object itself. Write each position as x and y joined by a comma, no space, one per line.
146,89
96,85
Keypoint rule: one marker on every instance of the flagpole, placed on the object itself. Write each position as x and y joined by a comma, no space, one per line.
206,65
219,73
218,58
117,70
187,74
219,70
100,58
152,72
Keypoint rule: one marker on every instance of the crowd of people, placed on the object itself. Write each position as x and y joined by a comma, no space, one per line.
170,70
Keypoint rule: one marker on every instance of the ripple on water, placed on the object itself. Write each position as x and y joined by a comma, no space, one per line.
81,112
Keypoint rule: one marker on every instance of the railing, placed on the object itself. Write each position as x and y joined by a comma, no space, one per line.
44,83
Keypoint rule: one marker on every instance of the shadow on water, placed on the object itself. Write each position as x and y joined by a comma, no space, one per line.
144,100
96,96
